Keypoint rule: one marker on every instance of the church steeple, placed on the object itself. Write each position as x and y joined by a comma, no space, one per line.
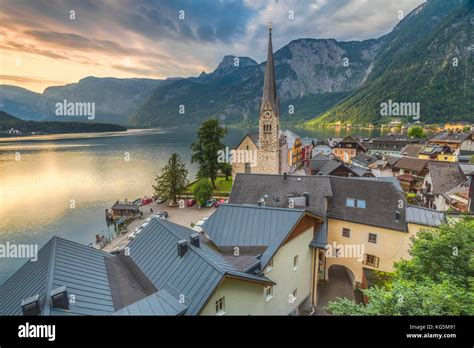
269,84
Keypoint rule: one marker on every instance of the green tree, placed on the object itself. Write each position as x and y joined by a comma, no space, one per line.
466,129
226,169
173,179
206,149
416,132
202,191
437,280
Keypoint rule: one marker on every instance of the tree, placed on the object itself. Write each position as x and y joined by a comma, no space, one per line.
226,169
206,149
173,179
202,191
437,280
416,132
466,129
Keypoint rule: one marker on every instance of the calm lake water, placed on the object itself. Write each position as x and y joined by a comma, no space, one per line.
36,191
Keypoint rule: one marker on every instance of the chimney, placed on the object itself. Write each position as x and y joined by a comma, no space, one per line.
182,247
59,298
306,196
194,240
284,176
31,305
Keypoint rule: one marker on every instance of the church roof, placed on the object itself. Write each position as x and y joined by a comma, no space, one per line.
269,84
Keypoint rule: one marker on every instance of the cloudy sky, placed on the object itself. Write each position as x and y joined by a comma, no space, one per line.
54,42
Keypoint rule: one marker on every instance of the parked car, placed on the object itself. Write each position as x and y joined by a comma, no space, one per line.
210,202
162,214
174,204
219,202
132,235
160,200
146,201
190,202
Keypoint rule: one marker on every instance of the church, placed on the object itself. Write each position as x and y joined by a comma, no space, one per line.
270,142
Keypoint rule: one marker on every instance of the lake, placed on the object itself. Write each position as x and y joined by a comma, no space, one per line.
62,184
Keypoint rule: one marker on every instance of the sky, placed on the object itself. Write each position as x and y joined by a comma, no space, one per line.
55,42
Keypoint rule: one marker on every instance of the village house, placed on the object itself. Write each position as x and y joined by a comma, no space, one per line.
125,209
390,144
456,141
346,149
295,150
322,148
368,216
410,172
438,153
307,146
444,187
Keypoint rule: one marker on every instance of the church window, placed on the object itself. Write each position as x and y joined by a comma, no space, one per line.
248,169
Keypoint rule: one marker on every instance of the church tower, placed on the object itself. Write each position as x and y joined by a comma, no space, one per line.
269,121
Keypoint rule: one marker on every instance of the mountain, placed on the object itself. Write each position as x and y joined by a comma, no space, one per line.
115,99
13,126
426,59
310,76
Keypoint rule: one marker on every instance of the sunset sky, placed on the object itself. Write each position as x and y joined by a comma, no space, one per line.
42,44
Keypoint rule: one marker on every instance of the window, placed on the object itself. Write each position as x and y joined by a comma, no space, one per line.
267,128
220,306
361,203
248,169
269,266
346,232
371,260
350,202
268,293
397,216
295,263
372,238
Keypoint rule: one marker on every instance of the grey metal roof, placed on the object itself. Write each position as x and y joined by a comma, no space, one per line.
159,303
424,216
278,191
320,240
242,225
195,275
61,263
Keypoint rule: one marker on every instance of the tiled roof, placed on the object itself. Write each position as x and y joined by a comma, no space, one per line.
277,191
381,198
445,176
451,137
412,150
409,163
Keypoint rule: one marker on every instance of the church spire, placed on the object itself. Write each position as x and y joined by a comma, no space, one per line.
269,85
